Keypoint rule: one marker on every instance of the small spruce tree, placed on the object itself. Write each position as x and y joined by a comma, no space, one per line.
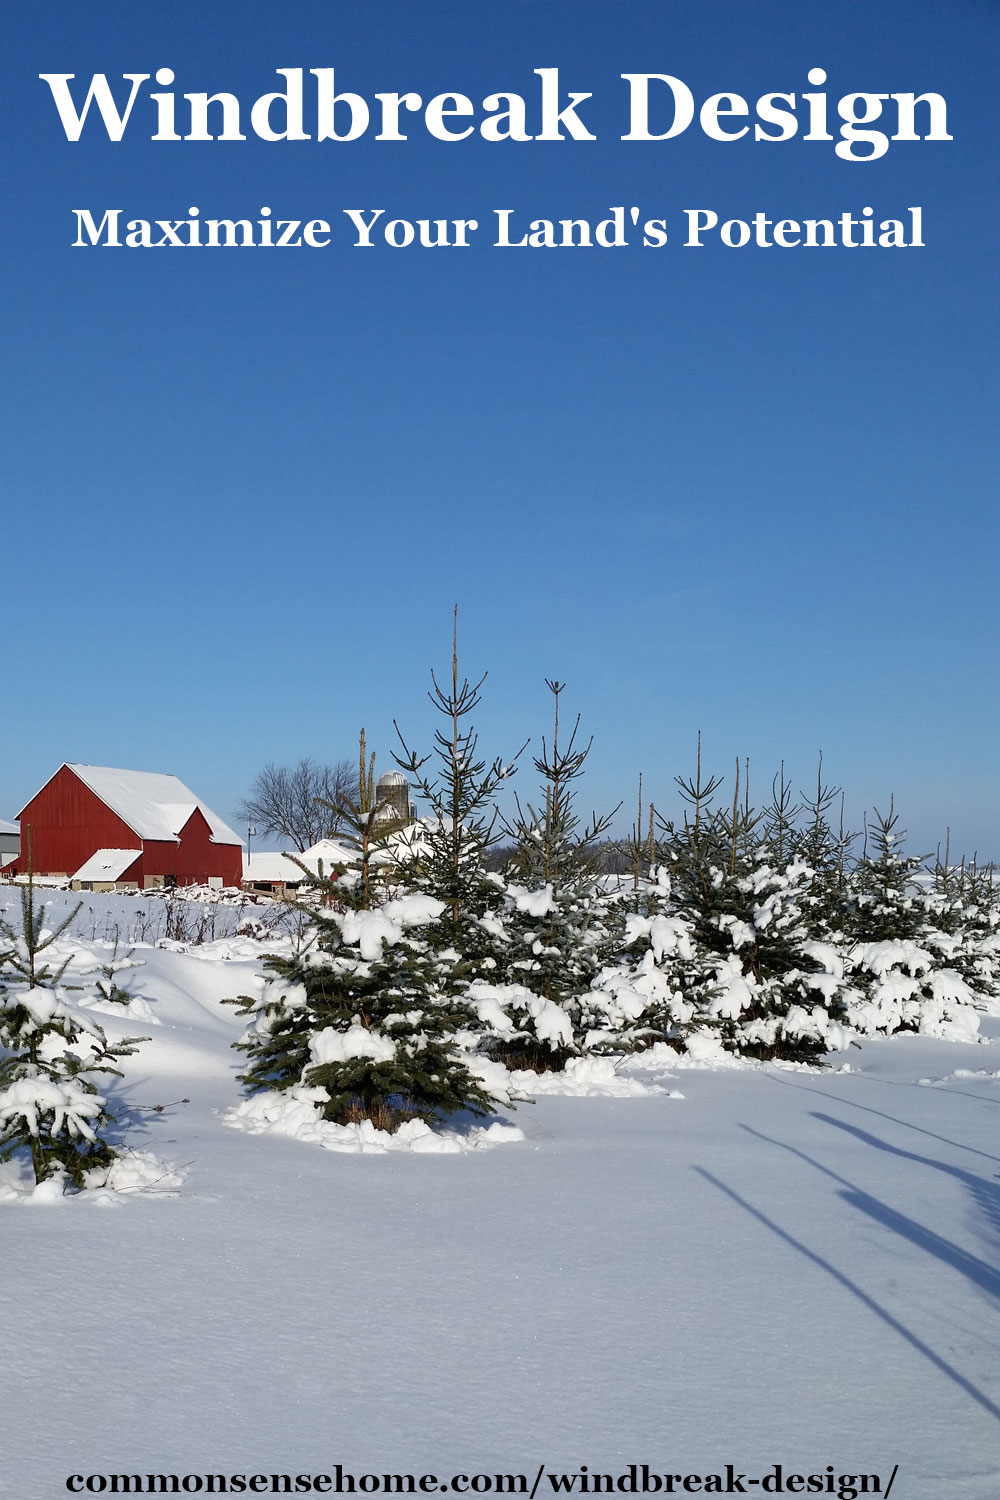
50,1105
748,973
906,971
360,1012
887,902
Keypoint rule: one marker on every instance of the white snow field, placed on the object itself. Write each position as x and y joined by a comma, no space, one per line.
754,1265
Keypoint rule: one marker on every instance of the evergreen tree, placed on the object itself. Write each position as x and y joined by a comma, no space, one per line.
364,833
643,856
361,1012
359,1015
109,990
562,923
906,970
49,1103
962,900
450,846
980,930
748,975
887,902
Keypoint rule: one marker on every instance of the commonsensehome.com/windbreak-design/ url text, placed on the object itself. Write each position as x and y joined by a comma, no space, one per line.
635,1479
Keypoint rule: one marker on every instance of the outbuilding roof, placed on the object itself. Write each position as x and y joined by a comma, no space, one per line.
263,865
6,827
107,865
153,805
270,868
330,852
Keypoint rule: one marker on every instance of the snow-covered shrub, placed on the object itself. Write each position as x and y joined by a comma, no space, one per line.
899,986
962,905
783,942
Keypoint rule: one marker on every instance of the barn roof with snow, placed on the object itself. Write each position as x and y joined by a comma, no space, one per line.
154,806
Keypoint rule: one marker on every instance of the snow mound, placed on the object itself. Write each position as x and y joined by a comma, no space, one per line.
135,1173
704,1050
584,1078
296,1113
962,1074
140,1172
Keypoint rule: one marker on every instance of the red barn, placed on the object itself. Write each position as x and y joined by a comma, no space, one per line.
104,827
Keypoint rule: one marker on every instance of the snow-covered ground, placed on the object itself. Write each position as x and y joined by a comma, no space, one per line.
754,1265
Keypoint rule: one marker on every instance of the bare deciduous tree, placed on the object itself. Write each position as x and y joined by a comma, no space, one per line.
299,802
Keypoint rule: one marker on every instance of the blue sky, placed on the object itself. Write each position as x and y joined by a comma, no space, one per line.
750,492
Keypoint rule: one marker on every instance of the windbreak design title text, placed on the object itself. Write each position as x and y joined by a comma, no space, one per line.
658,107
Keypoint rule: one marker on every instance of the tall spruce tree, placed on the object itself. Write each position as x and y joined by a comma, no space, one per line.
825,849
563,924
459,787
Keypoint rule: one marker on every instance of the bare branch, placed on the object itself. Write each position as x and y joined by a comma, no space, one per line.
302,803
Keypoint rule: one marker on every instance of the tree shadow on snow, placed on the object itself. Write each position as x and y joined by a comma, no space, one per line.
869,1109
865,1298
985,1194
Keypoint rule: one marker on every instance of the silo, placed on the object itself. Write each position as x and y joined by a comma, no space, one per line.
392,795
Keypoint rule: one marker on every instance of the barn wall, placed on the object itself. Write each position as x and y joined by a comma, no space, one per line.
68,824
195,858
